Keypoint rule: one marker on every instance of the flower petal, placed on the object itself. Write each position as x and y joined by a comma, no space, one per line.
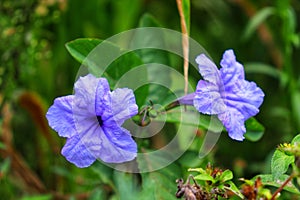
103,102
76,152
187,99
208,69
208,98
84,103
117,145
85,90
246,97
227,93
231,70
123,105
233,121
60,116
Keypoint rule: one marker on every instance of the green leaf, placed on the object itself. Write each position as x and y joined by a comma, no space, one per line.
157,38
205,177
268,70
159,184
107,59
190,159
199,170
102,56
295,99
289,18
80,48
191,117
104,173
254,130
190,120
123,64
256,20
296,139
121,70
232,187
226,175
116,70
280,163
269,180
126,185
149,161
87,50
262,68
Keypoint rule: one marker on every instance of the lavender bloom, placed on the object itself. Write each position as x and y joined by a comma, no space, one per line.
226,93
91,121
187,99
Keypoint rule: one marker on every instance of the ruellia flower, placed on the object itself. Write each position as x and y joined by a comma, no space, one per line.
91,121
225,93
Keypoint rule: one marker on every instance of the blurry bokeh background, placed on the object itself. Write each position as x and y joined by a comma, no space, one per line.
35,68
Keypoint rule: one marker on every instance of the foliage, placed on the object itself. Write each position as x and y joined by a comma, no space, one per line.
211,183
35,68
215,182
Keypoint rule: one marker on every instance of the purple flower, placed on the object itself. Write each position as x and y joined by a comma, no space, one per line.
91,121
226,93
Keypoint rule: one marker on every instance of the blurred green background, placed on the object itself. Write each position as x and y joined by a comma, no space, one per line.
35,68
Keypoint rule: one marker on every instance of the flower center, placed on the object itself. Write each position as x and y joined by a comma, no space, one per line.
100,120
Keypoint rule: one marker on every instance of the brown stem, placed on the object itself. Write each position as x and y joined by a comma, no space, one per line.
282,186
185,45
172,105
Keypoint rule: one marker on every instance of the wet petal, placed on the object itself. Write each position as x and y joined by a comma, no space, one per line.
117,145
208,98
233,121
123,105
208,69
76,152
60,116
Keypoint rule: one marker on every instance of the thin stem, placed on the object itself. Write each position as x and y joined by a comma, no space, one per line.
185,45
172,105
282,186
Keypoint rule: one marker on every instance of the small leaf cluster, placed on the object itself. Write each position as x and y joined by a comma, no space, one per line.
209,183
